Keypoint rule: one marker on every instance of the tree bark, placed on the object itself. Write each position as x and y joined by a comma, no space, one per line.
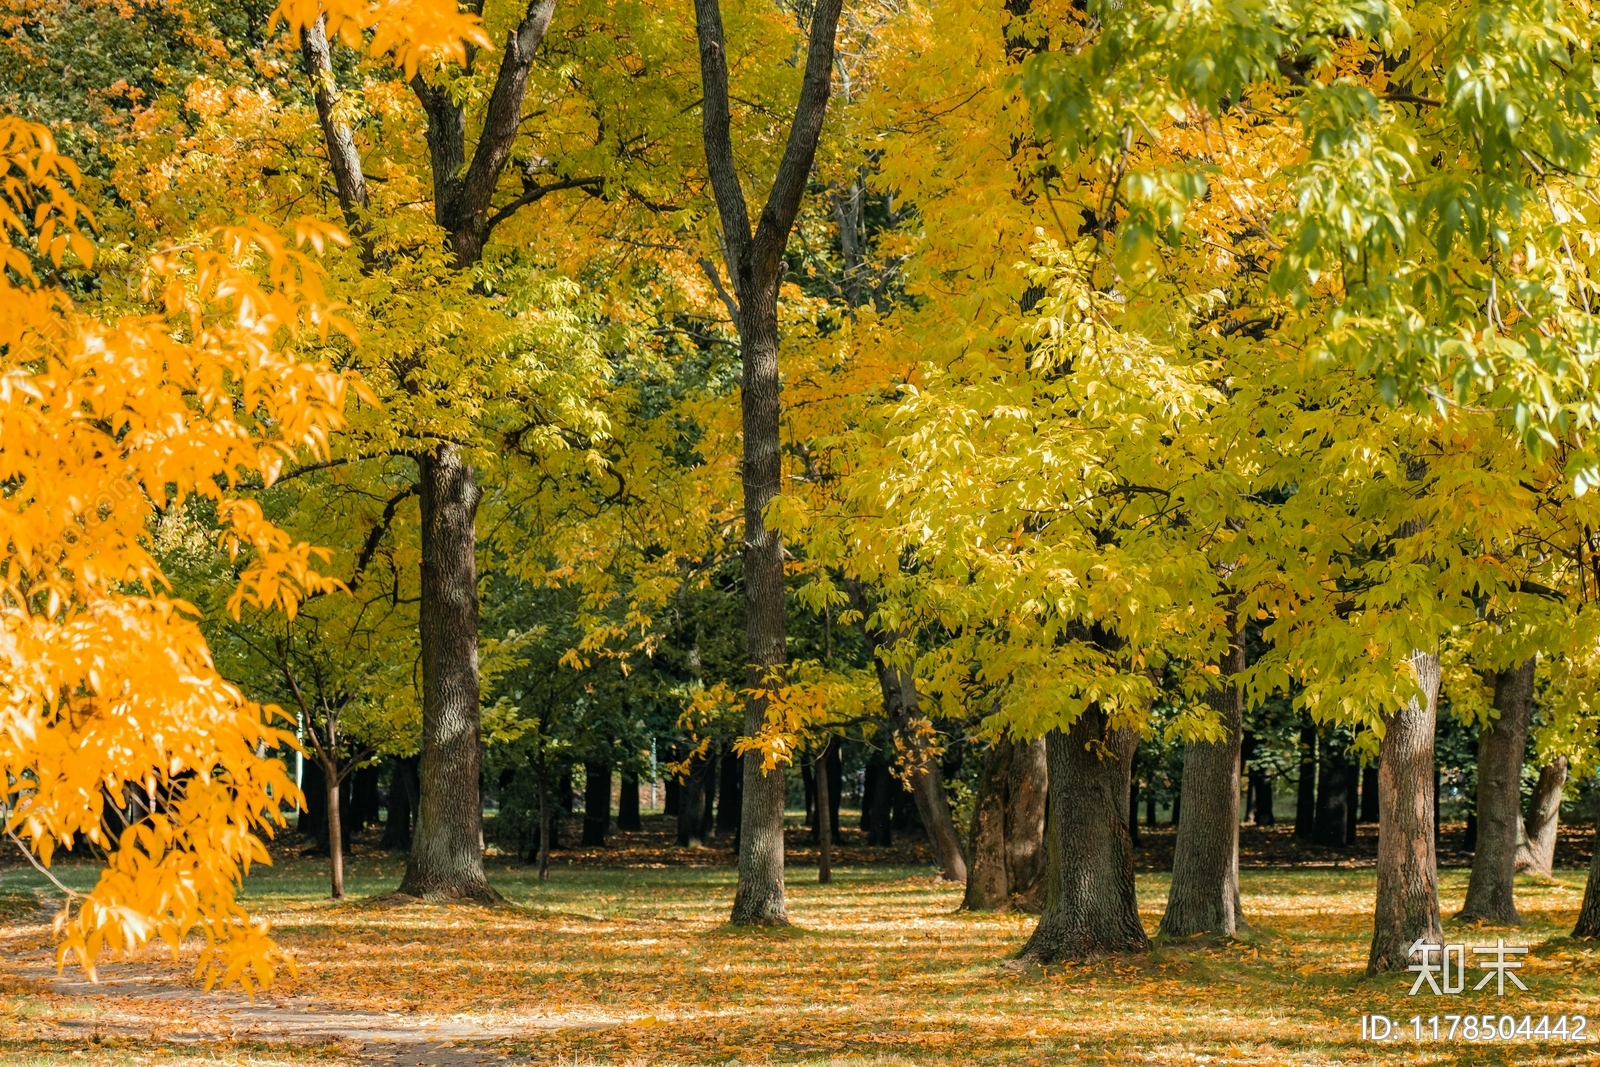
1090,907
728,801
823,805
402,802
1537,853
1491,891
755,261
330,774
596,802
1407,905
446,858
1369,792
880,818
694,803
1204,895
628,803
545,823
1007,835
1332,794
1305,809
1588,928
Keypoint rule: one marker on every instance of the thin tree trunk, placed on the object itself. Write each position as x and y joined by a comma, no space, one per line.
1305,809
1537,853
1407,905
446,858
824,831
1090,907
330,774
1491,891
1204,895
544,819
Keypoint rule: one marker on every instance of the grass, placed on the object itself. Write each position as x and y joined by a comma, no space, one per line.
637,966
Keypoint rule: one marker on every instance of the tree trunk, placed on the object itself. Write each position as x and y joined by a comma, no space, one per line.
1491,891
364,802
1352,800
672,796
1588,928
1407,905
446,858
1133,810
759,899
1261,783
628,803
545,822
1537,853
330,775
1027,797
313,821
988,881
1333,770
880,820
835,771
1090,907
1204,896
693,798
596,803
402,802
808,781
824,831
728,794
1369,792
1305,809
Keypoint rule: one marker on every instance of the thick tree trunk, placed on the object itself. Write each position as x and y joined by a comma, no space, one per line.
628,803
1090,907
1491,891
446,858
1007,837
1204,895
1537,853
1261,783
1407,905
596,803
335,833
672,795
1332,794
759,899
824,830
402,803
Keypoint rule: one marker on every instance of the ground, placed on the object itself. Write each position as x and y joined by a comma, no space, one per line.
623,958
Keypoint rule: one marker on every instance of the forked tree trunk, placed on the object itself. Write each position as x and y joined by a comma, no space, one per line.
1537,853
330,775
1407,905
1491,891
446,858
1204,896
1090,908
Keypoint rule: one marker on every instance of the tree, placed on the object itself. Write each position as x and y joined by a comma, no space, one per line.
120,730
755,267
1500,747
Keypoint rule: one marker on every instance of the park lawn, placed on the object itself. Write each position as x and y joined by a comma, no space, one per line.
635,967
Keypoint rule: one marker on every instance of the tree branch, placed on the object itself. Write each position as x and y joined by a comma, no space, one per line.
532,193
728,301
375,535
504,115
715,123
343,158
